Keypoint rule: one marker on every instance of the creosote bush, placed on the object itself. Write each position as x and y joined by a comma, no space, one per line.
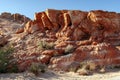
45,45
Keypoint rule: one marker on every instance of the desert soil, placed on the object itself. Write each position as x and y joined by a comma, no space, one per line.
50,75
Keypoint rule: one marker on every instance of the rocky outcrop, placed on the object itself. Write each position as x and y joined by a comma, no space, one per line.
102,54
15,17
77,25
94,35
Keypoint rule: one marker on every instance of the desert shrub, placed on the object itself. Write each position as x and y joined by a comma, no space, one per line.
92,66
73,67
45,45
83,71
84,65
84,68
37,68
89,65
5,57
69,49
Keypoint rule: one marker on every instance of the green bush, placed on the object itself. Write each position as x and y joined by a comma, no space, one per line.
5,57
37,68
45,45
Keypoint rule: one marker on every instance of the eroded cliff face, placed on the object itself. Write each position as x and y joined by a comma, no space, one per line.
94,35
77,25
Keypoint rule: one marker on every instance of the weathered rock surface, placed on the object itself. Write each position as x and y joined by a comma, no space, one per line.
77,25
15,17
101,54
94,35
3,40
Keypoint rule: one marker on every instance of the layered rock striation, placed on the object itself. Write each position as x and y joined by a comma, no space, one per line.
94,35
78,25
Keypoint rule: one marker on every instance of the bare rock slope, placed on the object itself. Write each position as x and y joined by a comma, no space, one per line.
69,38
78,36
9,24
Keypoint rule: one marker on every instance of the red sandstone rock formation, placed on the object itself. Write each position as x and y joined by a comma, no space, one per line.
77,25
101,54
94,34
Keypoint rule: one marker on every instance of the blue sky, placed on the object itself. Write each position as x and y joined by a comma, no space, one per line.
29,7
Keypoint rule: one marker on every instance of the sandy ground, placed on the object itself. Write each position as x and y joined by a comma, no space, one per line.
50,75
